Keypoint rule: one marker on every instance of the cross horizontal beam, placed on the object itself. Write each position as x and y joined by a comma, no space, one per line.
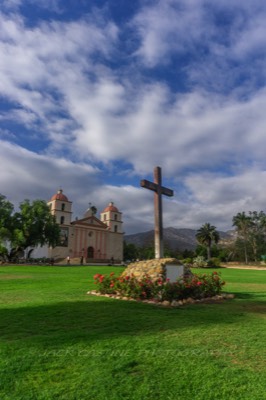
155,187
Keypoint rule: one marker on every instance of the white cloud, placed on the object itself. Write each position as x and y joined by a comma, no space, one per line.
210,197
98,114
216,198
29,175
15,4
63,82
167,28
41,67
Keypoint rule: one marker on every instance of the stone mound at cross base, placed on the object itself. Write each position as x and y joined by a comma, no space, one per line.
155,268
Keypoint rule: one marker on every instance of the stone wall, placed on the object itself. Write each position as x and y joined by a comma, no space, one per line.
155,268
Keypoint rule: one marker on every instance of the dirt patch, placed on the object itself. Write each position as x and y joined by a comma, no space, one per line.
257,309
8,277
243,266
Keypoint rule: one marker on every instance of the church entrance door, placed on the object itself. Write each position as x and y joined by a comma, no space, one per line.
90,252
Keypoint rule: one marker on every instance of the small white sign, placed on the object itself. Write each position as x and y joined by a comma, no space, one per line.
173,272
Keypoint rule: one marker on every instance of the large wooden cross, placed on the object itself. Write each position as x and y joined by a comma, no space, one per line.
158,189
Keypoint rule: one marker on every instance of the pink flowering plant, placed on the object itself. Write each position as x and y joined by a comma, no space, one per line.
127,286
198,286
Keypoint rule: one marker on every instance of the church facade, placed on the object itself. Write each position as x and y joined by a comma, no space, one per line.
89,238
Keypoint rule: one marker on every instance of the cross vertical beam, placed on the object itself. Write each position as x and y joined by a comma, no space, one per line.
158,214
159,190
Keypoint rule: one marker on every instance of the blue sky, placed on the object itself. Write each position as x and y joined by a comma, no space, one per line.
94,95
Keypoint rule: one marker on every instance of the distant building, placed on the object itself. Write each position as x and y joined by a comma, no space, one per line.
96,240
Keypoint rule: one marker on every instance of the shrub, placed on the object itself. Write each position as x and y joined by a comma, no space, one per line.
199,262
195,286
214,262
187,261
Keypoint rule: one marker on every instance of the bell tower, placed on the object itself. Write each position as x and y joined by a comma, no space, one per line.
112,218
61,208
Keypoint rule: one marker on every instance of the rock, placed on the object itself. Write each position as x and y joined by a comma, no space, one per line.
153,268
218,297
189,300
166,303
175,303
152,302
230,296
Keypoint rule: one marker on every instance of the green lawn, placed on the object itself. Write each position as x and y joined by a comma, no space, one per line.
57,342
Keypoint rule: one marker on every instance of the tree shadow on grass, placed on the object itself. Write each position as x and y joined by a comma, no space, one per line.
100,319
255,304
245,295
250,295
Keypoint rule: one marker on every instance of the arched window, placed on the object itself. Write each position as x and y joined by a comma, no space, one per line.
115,217
62,220
115,228
63,207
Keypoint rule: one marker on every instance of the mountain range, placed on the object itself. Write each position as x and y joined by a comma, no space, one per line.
176,239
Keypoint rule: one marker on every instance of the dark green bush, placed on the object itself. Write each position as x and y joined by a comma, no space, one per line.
214,262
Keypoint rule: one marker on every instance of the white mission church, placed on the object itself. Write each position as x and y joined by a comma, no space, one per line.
96,240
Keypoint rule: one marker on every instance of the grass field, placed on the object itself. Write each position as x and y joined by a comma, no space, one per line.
57,342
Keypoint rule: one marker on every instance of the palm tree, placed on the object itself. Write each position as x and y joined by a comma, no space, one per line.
243,222
206,235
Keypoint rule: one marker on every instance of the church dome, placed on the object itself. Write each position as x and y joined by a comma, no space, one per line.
59,196
110,207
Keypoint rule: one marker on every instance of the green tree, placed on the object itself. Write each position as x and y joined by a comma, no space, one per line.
6,210
146,252
6,225
242,222
188,253
130,251
207,235
257,233
251,234
33,225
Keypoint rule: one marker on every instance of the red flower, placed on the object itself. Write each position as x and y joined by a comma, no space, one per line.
96,276
112,273
199,283
112,284
127,277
